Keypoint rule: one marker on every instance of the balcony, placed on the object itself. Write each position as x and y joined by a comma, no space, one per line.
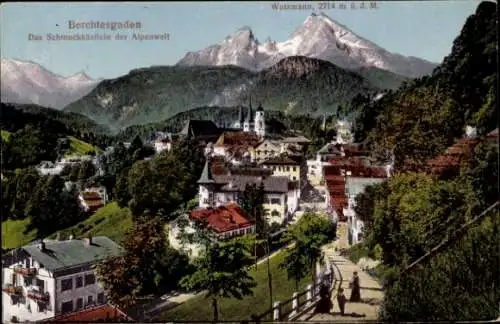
38,296
27,272
12,290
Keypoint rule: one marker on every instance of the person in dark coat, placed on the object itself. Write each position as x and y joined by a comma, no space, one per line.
341,300
325,303
355,289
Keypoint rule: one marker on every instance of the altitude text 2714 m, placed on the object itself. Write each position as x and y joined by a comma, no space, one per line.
347,5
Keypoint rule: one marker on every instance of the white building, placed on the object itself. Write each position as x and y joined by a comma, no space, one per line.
178,228
344,135
260,122
52,278
355,186
162,145
280,195
251,123
49,168
75,159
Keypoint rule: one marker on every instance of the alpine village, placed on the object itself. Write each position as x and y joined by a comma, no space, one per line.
383,207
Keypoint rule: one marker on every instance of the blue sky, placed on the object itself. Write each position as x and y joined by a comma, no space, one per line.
423,29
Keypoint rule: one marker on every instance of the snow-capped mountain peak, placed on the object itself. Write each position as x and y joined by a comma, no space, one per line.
319,37
81,76
27,82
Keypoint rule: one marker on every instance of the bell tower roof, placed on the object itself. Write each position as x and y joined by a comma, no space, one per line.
206,174
250,112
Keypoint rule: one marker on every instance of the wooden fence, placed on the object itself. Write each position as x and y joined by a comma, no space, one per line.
300,302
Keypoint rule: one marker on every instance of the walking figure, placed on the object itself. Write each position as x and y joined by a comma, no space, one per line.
341,300
355,290
325,303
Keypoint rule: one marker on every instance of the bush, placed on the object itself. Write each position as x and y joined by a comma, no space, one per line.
377,252
356,252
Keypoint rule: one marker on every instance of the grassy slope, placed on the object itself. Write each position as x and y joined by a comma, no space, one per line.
13,233
79,147
5,135
110,220
199,308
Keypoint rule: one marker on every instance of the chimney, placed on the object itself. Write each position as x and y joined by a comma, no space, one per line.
41,246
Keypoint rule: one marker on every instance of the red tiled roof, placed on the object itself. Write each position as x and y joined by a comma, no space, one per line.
102,313
94,203
335,181
367,172
347,161
461,147
92,199
237,139
224,218
91,195
453,156
335,184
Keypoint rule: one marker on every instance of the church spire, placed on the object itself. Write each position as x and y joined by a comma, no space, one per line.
206,174
241,119
249,113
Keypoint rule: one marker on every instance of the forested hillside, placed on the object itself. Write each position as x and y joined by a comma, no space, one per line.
296,85
42,134
424,116
437,215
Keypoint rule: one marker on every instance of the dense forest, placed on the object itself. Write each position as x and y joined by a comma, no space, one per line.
413,213
424,116
41,134
16,116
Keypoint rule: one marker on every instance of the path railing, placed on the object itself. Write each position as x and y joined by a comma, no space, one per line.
300,302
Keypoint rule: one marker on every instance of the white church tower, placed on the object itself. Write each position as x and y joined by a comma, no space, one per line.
260,122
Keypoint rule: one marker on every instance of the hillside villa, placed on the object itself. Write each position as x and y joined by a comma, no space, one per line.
53,168
52,277
221,183
93,198
225,221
